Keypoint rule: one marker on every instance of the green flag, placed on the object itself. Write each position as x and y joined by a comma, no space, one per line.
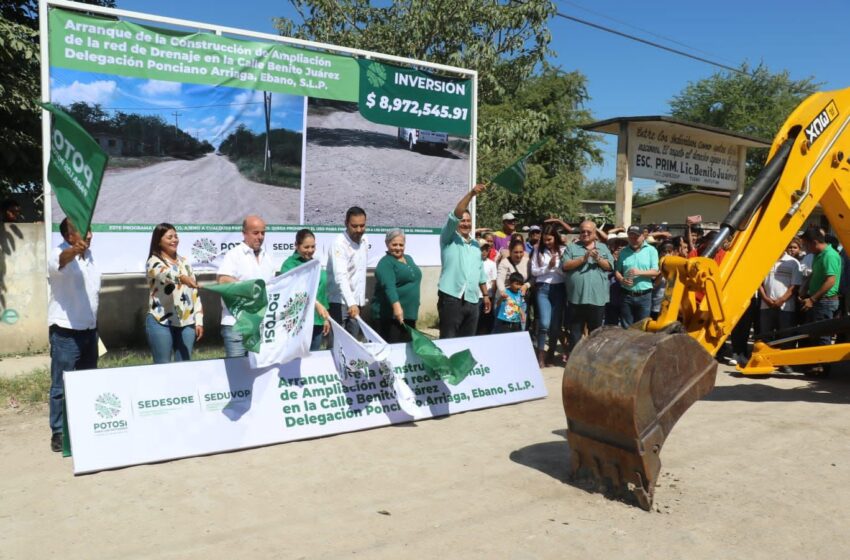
453,369
75,169
513,176
247,302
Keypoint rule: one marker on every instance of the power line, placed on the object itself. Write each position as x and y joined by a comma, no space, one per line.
627,24
651,43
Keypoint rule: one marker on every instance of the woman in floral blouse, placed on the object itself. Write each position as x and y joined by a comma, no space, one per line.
175,317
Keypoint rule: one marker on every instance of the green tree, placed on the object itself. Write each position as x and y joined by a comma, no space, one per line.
599,189
755,103
20,90
548,105
503,40
521,99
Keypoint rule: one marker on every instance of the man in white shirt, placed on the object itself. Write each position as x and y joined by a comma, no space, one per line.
778,294
247,261
347,261
72,316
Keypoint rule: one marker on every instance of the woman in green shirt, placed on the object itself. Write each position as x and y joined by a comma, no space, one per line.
305,248
396,298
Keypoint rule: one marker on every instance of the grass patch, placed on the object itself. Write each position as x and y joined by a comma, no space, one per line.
34,387
135,357
120,162
28,389
288,176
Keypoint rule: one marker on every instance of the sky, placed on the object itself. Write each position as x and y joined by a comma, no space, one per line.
626,78
205,112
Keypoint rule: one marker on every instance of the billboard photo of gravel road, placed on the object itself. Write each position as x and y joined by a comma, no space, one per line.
186,153
400,176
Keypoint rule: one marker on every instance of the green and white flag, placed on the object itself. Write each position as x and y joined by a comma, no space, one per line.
513,176
452,369
247,302
76,168
359,362
287,324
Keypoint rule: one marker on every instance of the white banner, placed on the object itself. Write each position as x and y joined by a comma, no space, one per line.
287,327
674,154
133,415
127,252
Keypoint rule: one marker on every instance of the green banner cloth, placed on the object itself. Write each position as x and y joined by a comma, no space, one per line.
247,302
76,168
109,46
409,98
513,176
453,369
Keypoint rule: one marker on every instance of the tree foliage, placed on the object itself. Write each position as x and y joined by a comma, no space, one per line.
504,41
20,90
141,135
755,104
521,99
548,105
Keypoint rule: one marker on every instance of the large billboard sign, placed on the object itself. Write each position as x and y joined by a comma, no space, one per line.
203,128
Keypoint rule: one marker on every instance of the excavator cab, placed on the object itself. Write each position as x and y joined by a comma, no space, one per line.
624,389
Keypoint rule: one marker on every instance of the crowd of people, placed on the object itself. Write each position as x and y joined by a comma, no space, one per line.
559,283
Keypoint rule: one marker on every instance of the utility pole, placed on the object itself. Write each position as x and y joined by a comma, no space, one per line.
267,109
176,115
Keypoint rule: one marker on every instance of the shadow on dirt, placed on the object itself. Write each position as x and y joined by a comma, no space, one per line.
832,390
549,457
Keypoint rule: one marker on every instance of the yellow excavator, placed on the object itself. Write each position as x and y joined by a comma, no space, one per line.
624,390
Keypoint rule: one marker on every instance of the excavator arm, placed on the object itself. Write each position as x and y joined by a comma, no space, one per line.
624,390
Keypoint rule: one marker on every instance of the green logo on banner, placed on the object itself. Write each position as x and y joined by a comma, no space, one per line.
376,75
409,98
107,405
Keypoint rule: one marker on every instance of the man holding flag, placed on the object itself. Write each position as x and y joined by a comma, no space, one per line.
462,278
74,172
247,261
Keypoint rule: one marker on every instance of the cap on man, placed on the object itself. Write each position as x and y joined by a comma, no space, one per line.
501,239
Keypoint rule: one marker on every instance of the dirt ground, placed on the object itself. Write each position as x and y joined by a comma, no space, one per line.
208,190
759,469
365,161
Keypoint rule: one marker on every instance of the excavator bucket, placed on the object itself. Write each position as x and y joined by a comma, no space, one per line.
623,392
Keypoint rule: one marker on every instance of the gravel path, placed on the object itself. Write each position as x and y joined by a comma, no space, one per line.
351,161
758,469
208,190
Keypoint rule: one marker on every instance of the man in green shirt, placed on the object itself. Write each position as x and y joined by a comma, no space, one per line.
462,279
586,264
819,298
635,269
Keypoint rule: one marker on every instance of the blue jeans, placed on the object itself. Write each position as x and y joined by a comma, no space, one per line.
339,313
69,350
163,340
821,311
635,307
316,340
233,347
550,312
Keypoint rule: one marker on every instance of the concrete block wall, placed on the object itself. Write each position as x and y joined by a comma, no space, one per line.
123,297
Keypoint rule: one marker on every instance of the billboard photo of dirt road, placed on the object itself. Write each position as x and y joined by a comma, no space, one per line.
401,176
187,153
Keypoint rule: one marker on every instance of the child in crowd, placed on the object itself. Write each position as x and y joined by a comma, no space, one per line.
485,320
510,316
